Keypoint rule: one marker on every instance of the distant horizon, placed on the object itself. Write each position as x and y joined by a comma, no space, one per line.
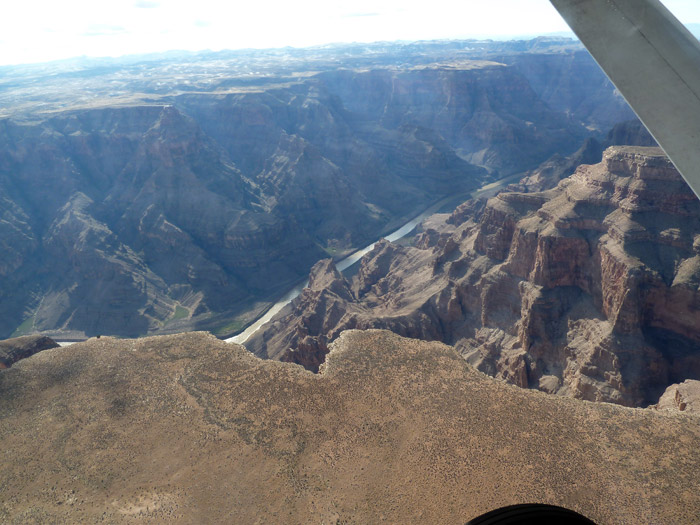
556,35
38,31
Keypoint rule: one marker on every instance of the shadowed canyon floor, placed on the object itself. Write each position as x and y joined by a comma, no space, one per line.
189,429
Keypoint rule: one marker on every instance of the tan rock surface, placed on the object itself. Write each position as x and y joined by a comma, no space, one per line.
683,397
189,429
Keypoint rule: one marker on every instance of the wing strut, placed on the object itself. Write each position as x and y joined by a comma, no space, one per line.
654,61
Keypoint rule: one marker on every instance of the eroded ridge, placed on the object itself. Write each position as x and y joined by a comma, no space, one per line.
589,289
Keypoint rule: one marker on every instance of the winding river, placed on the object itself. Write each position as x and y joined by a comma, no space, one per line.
354,257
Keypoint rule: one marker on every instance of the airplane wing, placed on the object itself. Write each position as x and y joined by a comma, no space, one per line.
654,61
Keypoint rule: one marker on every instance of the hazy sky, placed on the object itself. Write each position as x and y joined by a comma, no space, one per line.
40,30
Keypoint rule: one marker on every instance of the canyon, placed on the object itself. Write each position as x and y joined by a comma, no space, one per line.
168,193
539,343
589,289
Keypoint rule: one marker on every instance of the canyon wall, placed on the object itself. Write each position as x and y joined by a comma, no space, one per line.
590,289
196,207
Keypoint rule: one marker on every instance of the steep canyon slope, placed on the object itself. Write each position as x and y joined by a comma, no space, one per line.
590,289
172,193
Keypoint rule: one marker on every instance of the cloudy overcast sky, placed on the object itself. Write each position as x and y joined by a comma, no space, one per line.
41,30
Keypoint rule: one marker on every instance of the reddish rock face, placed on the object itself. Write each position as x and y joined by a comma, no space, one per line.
590,289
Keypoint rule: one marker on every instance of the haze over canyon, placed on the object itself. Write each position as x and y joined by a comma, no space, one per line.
169,193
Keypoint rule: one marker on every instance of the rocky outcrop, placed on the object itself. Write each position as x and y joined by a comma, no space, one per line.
323,302
590,289
549,173
684,397
12,350
190,429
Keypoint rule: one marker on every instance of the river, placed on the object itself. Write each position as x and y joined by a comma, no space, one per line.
341,265
354,257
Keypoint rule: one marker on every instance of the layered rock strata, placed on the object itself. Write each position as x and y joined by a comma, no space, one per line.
590,289
12,350
549,173
184,192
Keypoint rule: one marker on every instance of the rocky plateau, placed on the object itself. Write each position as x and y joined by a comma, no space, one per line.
13,350
190,429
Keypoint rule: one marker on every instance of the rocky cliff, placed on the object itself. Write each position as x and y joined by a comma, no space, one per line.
13,350
125,219
189,429
590,289
570,82
683,397
133,206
